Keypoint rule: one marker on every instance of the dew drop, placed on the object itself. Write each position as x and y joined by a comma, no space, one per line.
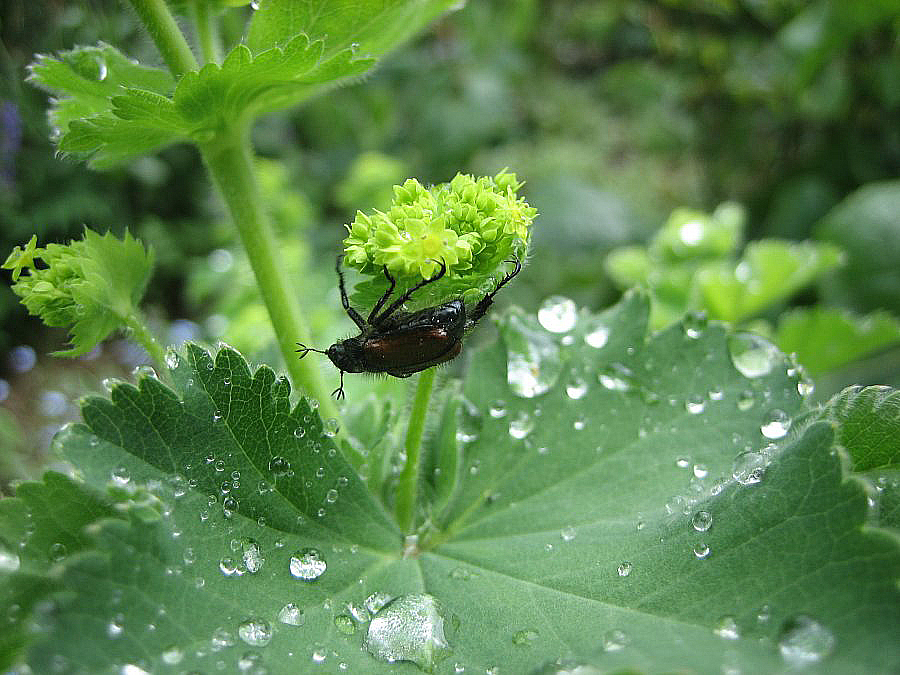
9,560
291,615
625,569
331,427
567,533
752,355
617,377
533,359
173,655
377,600
745,400
701,551
255,632
776,424
58,552
695,405
700,471
359,612
597,336
307,564
172,359
331,496
805,387
345,624
497,409
694,323
804,641
558,314
521,425
615,640
727,628
116,627
576,388
250,555
120,475
410,628
701,521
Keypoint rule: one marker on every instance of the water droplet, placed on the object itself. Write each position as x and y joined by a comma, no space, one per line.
615,640
579,423
577,387
307,565
410,628
377,600
752,355
521,425
291,615
745,400
597,337
172,655
116,626
172,359
319,655
250,662
701,550
331,427
558,314
255,632
469,421
250,555
345,624
497,408
682,462
58,552
217,416
727,628
567,533
523,638
694,323
806,387
804,640
776,424
700,471
279,466
533,360
625,569
358,612
9,560
701,521
617,377
120,475
331,496
695,405
221,638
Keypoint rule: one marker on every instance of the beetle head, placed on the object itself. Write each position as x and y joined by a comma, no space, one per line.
347,355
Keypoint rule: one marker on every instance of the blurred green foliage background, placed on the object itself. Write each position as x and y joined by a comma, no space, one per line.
616,114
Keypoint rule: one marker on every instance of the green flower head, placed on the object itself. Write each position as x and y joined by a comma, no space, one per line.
470,224
90,286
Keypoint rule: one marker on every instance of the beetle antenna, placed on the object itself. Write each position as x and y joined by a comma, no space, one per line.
304,350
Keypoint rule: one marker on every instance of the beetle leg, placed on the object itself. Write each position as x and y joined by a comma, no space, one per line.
482,307
380,303
394,306
304,350
339,392
352,313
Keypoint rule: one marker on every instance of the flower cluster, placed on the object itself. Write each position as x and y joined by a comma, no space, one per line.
470,224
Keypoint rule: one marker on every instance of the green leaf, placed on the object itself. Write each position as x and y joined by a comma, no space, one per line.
866,227
374,27
659,503
868,426
245,85
826,339
769,271
39,528
690,234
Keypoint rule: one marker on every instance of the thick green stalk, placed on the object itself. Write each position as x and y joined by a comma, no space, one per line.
230,164
408,487
160,23
207,31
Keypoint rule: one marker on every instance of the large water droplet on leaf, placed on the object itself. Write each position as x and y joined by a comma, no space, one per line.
804,641
410,628
558,314
776,424
307,565
255,632
533,360
752,355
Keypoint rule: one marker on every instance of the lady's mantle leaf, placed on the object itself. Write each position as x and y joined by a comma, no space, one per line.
649,506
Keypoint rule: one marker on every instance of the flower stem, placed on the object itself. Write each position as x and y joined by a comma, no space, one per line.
408,488
160,23
231,166
141,334
207,31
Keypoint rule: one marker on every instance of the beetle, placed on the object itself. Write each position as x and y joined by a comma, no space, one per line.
401,343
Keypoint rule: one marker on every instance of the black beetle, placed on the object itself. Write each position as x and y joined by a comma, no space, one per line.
402,343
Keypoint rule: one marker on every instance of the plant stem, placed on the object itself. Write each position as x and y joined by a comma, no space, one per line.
160,23
231,166
408,487
141,334
207,31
